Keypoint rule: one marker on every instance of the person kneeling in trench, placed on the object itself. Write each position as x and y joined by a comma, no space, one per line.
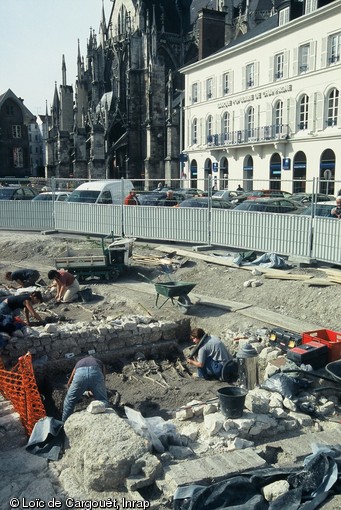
210,356
67,285
88,375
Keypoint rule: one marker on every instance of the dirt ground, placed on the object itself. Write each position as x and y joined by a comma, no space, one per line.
160,386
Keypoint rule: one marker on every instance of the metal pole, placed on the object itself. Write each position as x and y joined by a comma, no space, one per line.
209,223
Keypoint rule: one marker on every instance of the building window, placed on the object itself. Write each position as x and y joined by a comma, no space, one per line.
303,114
18,157
303,58
225,127
278,117
334,49
16,131
250,75
250,122
278,66
284,16
333,107
310,6
209,123
194,93
195,131
226,83
122,24
209,88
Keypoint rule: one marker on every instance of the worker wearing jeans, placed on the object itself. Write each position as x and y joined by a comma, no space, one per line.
88,375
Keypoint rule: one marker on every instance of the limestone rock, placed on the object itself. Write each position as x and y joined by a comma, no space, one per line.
103,448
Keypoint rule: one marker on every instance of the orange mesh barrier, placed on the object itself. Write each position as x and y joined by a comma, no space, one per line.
19,386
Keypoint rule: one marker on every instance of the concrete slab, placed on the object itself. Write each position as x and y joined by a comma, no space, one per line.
215,467
299,447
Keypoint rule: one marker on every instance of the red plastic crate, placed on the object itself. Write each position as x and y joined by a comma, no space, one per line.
332,339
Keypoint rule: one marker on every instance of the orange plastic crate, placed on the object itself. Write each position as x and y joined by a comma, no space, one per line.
332,339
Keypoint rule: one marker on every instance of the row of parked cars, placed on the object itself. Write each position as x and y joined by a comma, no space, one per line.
273,201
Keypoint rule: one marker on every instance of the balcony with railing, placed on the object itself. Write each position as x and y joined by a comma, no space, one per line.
249,136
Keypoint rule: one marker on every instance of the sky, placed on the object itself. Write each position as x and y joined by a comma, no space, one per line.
34,36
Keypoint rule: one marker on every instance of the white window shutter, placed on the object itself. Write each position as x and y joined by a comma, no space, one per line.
286,57
312,56
231,79
295,62
291,115
256,80
317,115
269,117
243,78
324,52
271,69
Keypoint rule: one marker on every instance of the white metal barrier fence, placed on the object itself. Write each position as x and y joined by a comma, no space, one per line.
318,238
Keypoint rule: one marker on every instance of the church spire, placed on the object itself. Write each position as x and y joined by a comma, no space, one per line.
79,62
63,71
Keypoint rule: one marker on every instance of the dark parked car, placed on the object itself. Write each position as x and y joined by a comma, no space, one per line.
306,198
271,205
202,202
16,193
252,195
156,197
226,194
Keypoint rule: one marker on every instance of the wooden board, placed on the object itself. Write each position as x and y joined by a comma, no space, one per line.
319,282
276,319
286,276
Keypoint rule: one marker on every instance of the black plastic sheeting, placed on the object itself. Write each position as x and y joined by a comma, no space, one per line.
309,485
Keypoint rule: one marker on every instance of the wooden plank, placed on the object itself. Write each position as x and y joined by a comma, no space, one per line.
289,276
334,280
276,319
319,282
331,272
221,261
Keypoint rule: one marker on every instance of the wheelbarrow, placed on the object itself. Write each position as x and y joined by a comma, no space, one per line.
172,289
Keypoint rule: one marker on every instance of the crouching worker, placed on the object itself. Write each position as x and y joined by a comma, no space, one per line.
12,305
88,375
211,357
23,277
67,285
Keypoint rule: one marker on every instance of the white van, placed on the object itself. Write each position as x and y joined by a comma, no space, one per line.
102,192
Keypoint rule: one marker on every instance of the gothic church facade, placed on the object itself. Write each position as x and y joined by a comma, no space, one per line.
124,116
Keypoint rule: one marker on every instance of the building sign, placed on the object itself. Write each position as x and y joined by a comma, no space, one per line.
257,95
286,163
215,167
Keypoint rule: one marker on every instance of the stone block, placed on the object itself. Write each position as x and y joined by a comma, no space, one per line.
184,414
275,489
213,423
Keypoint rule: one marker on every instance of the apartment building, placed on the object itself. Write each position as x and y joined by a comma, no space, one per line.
265,109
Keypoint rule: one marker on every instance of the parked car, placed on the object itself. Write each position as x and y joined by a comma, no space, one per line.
186,192
319,209
271,205
16,193
156,197
202,202
226,194
305,198
252,195
57,196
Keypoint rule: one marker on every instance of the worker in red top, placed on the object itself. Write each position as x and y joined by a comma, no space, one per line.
131,198
67,285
